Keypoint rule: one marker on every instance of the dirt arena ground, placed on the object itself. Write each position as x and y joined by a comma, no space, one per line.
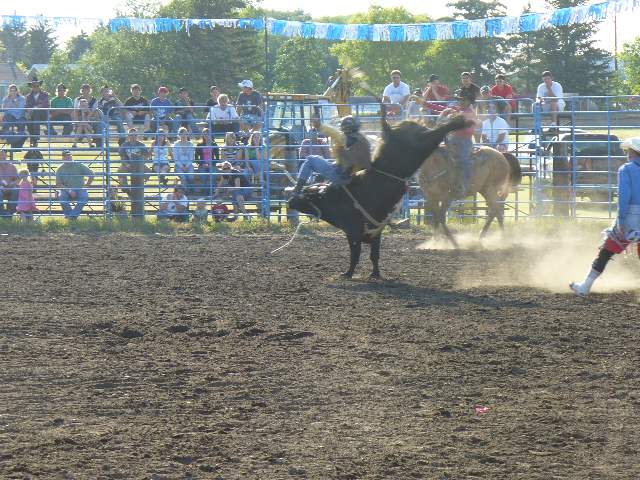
200,357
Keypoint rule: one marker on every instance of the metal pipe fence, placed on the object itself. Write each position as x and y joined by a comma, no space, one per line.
569,169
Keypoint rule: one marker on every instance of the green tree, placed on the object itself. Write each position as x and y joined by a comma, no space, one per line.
377,59
303,65
223,56
631,58
196,60
270,45
448,62
13,43
40,44
524,61
77,46
480,56
569,52
62,70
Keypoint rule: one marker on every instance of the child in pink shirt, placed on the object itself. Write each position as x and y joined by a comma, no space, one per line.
26,204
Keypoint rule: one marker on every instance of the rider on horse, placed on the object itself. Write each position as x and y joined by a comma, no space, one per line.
460,142
626,228
352,152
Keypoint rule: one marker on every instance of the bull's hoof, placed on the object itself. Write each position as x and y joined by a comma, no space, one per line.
375,276
347,275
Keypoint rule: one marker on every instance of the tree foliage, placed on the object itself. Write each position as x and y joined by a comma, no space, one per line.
569,52
311,62
524,64
77,46
480,56
62,70
378,59
631,57
40,45
202,58
225,56
13,43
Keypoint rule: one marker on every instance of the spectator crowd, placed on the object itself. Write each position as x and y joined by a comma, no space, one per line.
184,133
181,132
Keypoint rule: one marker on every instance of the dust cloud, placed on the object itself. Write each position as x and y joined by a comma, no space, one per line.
545,258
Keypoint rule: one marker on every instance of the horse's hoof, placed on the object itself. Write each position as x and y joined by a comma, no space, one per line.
375,276
347,275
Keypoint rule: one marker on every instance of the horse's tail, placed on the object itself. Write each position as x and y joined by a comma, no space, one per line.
514,167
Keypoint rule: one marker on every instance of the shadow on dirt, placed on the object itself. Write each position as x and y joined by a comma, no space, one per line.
418,296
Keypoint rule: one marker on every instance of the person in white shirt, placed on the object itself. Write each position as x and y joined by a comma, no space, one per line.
174,205
550,95
223,111
495,130
396,93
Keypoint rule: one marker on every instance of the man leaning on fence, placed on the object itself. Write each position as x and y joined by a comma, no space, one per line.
134,154
70,180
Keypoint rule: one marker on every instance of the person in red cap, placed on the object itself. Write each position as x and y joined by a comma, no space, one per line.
162,109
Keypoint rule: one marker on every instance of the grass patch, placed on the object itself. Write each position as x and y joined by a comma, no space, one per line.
93,225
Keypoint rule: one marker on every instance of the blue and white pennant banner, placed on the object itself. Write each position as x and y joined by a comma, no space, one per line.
421,32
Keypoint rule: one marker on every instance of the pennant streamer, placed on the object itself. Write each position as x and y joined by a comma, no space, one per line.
459,29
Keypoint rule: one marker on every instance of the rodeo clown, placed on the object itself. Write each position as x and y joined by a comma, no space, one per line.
352,152
626,228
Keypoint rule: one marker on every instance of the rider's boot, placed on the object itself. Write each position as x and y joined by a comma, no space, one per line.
582,289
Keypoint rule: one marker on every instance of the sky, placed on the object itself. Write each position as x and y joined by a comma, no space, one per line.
627,30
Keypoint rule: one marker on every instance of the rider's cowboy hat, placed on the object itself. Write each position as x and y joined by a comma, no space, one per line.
632,143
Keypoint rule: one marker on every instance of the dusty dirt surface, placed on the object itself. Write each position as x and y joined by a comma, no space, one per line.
171,357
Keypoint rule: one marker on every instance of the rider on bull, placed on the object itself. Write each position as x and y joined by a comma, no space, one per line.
626,228
460,142
351,149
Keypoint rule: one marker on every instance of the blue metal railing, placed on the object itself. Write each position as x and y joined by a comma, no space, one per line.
562,175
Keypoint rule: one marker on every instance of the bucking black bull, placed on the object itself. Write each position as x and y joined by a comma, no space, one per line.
363,207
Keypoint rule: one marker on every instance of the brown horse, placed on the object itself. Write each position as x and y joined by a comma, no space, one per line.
494,176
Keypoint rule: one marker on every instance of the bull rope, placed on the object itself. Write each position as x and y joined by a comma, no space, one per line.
293,237
295,232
